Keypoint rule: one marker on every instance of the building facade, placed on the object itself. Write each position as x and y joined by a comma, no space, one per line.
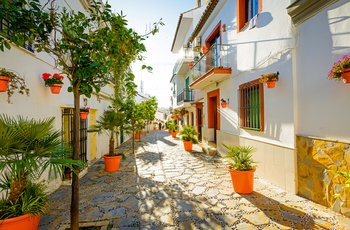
297,135
41,103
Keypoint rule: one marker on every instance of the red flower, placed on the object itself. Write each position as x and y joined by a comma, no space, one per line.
46,76
57,75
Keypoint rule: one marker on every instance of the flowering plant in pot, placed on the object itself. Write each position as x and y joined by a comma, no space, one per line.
50,79
28,150
84,112
269,79
341,69
9,81
189,136
110,122
242,167
223,103
54,81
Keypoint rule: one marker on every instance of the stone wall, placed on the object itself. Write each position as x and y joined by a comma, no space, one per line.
315,157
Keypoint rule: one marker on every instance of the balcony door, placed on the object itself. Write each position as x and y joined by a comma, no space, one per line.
213,41
187,87
215,45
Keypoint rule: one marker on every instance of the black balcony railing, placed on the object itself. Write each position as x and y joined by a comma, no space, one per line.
186,95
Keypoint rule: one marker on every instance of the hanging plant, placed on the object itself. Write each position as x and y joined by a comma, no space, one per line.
12,82
341,70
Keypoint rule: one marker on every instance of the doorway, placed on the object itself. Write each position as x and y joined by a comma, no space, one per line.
199,110
214,111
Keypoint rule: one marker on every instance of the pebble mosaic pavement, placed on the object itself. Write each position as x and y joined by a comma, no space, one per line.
162,186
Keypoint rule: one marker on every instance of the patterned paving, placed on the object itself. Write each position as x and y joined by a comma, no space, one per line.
162,186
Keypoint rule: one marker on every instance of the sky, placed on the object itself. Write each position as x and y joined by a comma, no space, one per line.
141,14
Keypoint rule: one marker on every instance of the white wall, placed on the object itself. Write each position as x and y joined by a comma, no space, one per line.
323,110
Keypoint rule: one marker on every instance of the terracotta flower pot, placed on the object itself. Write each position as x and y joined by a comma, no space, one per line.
56,88
84,115
345,74
223,104
112,163
271,84
137,136
27,221
188,145
242,181
173,134
4,82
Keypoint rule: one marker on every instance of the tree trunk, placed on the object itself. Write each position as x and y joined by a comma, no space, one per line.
74,209
111,146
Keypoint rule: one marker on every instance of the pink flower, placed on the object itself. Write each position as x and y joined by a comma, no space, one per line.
46,76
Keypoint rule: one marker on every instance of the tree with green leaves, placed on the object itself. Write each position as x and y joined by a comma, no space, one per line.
88,48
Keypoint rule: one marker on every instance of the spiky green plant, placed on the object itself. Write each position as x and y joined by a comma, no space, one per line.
240,157
110,122
189,133
28,148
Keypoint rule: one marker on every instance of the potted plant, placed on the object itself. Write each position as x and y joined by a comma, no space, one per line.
241,167
269,79
84,112
189,136
28,149
223,103
172,127
341,70
9,81
109,122
54,81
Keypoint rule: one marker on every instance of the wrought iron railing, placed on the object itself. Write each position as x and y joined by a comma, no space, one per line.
185,95
215,57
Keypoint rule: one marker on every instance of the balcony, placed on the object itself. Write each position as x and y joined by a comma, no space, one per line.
181,65
186,95
211,67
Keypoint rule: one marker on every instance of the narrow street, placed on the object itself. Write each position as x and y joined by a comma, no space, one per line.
162,186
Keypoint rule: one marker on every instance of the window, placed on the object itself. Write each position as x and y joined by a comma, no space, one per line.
199,3
251,109
246,10
6,30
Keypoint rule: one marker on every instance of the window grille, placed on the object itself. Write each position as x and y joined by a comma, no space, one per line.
251,101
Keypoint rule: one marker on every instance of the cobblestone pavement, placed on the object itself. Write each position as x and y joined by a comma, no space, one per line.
162,186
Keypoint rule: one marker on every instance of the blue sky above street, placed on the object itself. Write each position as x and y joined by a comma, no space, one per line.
141,14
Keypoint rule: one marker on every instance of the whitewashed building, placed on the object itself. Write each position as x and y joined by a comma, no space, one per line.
41,103
298,135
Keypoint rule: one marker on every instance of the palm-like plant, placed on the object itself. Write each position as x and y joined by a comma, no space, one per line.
110,122
240,157
172,125
28,148
189,133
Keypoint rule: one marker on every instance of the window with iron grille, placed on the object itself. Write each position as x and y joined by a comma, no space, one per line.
251,105
5,30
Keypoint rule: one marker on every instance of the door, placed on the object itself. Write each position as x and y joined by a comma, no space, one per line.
92,138
199,120
188,96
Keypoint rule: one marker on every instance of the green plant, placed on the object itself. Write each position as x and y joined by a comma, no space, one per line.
16,82
172,125
189,133
336,71
28,148
109,122
85,109
50,79
240,157
269,77
223,100
346,175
